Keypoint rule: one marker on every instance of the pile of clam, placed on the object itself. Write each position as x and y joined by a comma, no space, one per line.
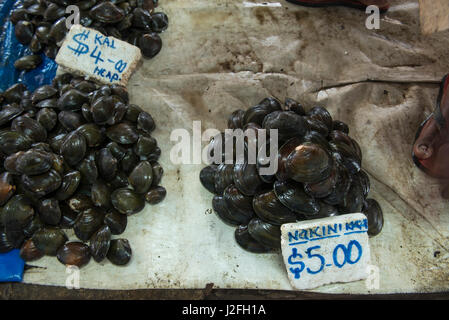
319,174
74,155
41,24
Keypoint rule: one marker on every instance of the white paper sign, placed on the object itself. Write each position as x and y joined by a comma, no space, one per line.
323,251
88,52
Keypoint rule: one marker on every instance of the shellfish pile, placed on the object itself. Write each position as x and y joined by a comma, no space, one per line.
74,155
41,24
318,175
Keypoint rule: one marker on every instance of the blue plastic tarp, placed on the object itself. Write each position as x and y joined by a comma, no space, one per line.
11,50
11,265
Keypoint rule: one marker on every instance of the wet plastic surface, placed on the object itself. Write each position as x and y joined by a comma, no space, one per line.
11,50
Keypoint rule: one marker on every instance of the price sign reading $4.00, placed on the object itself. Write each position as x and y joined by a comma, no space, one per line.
88,52
322,251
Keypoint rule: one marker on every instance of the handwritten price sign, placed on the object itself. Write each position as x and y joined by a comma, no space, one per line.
323,251
107,59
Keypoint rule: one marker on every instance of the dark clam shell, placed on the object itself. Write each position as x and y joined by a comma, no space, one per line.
246,178
28,62
145,122
29,252
5,244
141,19
24,31
127,201
373,212
155,195
34,162
30,128
222,210
158,173
141,178
346,155
102,109
364,182
88,222
33,226
240,206
43,92
326,210
341,188
49,211
223,177
70,182
107,12
88,169
207,177
17,213
49,240
340,126
47,103
53,12
295,106
99,243
47,117
322,115
129,161
68,216
235,120
9,112
106,163
70,120
117,150
354,199
72,100
292,195
287,123
122,133
100,194
73,148
256,114
119,252
308,162
74,254
265,233
14,93
150,44
159,22
80,202
58,30
323,188
244,239
120,180
132,113
116,221
7,187
12,142
145,146
284,152
270,209
42,184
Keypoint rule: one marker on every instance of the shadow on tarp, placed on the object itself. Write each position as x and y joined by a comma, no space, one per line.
11,265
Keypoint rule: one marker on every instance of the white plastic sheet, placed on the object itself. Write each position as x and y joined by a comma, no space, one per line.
219,56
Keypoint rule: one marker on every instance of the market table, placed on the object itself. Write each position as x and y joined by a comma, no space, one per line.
219,56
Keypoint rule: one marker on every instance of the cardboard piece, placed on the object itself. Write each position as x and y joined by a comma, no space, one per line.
88,52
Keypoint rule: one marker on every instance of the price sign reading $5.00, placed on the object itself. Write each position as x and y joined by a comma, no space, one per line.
88,52
322,251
